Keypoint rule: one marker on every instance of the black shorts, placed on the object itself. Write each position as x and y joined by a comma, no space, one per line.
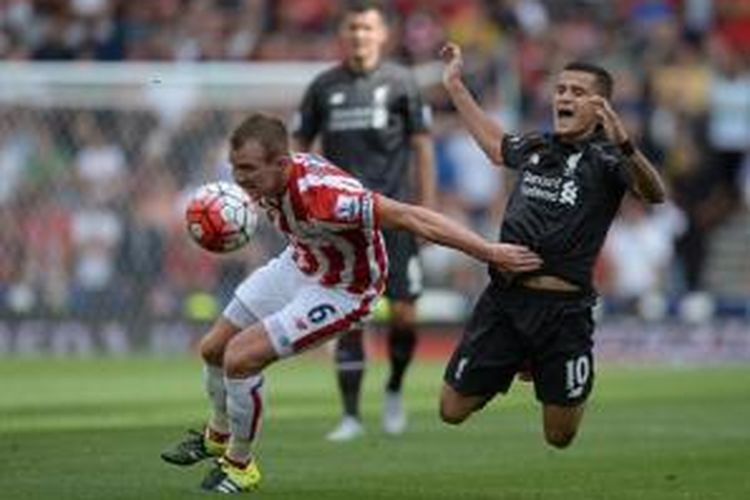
404,269
512,327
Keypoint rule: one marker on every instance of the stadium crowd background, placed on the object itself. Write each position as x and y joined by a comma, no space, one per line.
87,198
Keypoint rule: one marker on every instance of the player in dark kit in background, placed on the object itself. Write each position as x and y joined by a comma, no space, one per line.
372,121
568,190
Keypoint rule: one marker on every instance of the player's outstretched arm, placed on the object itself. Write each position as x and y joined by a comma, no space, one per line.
486,132
440,229
647,182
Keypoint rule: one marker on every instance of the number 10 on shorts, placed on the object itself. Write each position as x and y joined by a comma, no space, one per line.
577,372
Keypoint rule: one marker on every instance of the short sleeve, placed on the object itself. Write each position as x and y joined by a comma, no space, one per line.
512,150
307,118
418,113
356,209
516,147
341,208
621,174
616,166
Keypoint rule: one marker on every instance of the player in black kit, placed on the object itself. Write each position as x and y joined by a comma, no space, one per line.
371,120
568,189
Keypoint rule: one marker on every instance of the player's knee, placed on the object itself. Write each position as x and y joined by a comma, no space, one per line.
403,316
452,418
241,360
559,438
211,351
233,363
561,424
404,323
452,415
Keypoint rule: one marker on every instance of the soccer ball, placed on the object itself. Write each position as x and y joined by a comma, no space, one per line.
221,217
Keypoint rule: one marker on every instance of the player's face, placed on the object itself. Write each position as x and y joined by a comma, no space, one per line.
363,36
255,172
574,116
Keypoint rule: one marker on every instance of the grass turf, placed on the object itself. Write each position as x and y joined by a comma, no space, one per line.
93,429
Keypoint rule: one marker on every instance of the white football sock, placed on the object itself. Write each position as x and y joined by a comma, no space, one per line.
213,377
245,405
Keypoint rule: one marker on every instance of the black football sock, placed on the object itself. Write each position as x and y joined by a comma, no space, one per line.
350,367
402,343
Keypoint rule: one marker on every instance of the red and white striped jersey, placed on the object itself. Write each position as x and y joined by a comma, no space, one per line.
329,218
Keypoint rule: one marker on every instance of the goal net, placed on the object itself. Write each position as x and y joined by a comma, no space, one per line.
94,161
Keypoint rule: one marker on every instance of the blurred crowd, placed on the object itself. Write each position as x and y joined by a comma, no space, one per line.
87,199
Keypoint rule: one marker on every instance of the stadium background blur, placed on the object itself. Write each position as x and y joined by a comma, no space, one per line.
93,251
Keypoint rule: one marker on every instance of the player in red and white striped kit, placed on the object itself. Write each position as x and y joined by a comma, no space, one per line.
320,286
333,268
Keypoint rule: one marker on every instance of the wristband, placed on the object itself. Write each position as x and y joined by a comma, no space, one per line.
627,148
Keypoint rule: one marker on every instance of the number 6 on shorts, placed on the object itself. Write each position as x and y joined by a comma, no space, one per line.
315,315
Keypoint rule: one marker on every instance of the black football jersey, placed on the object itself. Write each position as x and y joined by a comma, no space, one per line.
564,200
365,121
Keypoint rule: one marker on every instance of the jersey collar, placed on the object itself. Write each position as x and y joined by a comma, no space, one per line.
361,74
599,135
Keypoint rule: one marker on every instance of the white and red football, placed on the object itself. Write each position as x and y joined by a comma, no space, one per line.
221,217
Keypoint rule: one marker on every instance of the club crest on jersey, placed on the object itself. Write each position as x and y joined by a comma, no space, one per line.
569,193
572,163
380,95
336,99
300,324
347,207
380,107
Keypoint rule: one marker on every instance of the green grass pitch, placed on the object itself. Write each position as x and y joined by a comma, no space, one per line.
93,429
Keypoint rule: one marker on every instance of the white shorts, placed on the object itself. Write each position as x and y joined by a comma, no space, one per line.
296,310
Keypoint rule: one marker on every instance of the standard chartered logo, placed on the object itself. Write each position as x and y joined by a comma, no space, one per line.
551,189
359,117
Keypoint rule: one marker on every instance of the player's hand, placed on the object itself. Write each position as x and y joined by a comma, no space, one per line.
608,118
514,258
450,53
